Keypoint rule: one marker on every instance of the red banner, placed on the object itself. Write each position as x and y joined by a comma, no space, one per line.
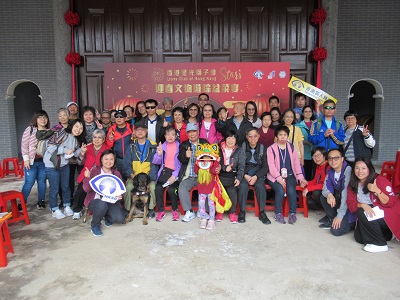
225,83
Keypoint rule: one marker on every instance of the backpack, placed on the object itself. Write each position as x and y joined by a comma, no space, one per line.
319,124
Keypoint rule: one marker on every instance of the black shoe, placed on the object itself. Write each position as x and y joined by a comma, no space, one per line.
242,217
41,205
325,226
324,219
151,214
263,218
20,207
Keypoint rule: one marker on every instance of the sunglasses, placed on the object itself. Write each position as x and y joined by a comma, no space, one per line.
329,107
119,117
150,107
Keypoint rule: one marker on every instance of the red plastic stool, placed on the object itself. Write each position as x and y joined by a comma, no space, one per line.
302,203
6,166
169,206
269,203
16,215
5,240
249,206
21,169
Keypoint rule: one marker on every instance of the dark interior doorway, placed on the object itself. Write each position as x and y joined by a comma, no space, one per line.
363,103
26,102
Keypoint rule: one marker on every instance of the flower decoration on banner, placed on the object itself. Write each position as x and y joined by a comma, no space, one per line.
73,58
319,54
318,16
72,18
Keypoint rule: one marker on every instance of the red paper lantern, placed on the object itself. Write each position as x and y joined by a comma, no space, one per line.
128,100
261,100
73,58
319,54
72,18
318,16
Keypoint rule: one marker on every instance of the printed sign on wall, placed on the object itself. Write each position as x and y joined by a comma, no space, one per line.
225,83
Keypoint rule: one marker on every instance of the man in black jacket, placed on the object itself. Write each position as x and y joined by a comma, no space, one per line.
256,169
153,122
237,123
187,176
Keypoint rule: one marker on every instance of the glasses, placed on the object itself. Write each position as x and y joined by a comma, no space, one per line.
119,117
329,107
317,155
336,158
150,107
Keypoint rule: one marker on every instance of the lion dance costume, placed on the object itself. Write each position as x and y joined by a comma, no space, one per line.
209,185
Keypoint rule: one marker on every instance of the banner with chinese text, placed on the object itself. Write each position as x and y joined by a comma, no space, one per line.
225,83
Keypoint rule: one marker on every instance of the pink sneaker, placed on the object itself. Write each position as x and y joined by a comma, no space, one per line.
210,225
160,216
219,217
203,223
233,218
175,215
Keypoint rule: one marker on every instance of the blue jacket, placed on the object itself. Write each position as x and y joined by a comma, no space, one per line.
319,139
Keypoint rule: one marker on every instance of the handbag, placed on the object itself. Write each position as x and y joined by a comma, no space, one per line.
166,173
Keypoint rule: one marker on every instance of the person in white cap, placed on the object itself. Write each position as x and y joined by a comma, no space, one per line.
73,110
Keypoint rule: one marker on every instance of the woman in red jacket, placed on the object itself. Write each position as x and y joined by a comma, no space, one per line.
313,191
366,191
90,160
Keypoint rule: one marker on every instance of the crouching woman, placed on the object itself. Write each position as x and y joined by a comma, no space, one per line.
111,212
366,191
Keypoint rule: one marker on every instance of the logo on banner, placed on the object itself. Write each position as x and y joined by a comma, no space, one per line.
271,75
108,186
282,74
259,74
309,90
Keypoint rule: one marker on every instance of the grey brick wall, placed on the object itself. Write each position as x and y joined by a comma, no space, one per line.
27,52
368,46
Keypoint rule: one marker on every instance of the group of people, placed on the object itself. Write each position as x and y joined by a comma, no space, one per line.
298,147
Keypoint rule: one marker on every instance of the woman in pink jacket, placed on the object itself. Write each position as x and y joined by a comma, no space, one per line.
207,127
284,172
368,190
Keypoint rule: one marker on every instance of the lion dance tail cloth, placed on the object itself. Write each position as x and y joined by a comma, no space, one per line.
220,197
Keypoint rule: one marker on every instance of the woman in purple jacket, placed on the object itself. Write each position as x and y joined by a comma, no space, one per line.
111,212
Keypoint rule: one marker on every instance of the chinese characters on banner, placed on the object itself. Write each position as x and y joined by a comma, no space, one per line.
225,83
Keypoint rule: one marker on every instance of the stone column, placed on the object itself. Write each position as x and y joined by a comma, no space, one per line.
329,39
62,46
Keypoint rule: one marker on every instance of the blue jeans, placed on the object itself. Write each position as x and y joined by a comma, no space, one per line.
279,194
37,172
55,177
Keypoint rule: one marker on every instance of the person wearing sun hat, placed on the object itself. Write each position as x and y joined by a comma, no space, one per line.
73,110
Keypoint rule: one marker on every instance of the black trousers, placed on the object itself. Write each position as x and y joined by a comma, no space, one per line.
231,189
371,232
79,198
101,209
314,199
172,194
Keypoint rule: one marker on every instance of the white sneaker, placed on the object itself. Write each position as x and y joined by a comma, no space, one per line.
76,216
68,211
58,214
374,248
188,216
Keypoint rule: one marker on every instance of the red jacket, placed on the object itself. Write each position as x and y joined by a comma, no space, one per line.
91,160
207,188
317,182
391,209
120,141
